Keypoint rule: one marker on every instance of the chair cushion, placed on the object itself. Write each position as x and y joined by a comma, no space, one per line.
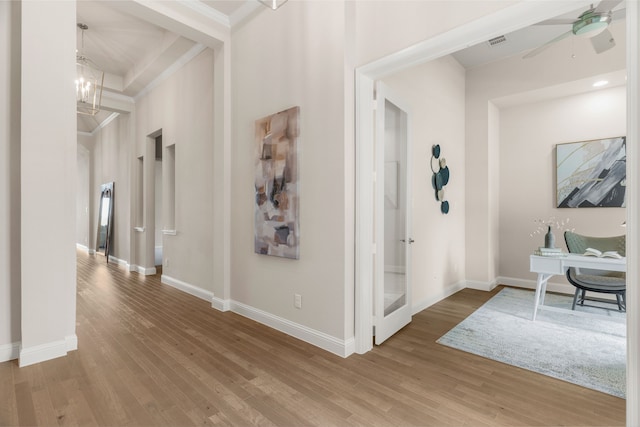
596,280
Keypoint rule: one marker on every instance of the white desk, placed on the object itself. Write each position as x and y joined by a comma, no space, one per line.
547,266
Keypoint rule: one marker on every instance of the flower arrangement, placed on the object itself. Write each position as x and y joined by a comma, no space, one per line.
543,226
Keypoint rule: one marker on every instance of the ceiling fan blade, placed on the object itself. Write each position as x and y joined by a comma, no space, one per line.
603,41
539,49
556,21
607,5
618,14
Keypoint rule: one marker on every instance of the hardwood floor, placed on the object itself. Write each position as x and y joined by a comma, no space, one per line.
151,355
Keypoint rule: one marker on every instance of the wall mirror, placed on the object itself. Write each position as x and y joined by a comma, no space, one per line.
105,220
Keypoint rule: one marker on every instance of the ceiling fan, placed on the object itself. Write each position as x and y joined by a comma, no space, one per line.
591,24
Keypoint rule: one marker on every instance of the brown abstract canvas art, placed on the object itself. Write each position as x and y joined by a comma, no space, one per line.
277,227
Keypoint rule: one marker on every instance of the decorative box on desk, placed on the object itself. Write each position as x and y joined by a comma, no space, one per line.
554,252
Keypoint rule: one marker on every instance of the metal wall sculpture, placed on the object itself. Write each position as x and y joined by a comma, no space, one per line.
440,177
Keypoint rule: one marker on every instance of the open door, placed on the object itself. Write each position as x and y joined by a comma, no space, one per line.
392,292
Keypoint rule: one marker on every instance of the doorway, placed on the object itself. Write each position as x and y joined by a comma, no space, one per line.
508,19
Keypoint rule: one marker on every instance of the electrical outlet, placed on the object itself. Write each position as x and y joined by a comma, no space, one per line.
166,262
297,300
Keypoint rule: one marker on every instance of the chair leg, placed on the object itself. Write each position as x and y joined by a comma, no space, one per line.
622,301
583,296
575,299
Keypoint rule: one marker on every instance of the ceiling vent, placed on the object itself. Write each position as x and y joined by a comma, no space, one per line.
496,41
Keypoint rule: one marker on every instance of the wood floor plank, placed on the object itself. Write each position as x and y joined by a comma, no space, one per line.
24,401
8,402
152,355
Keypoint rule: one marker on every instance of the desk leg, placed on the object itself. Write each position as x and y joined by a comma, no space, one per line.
541,289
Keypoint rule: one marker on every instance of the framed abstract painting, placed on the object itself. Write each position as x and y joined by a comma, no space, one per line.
277,198
591,173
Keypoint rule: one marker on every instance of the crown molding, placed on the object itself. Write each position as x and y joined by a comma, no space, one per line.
209,12
243,12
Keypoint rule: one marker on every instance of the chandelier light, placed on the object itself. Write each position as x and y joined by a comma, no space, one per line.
273,4
89,81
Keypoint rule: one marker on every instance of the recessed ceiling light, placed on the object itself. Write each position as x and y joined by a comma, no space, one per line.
600,83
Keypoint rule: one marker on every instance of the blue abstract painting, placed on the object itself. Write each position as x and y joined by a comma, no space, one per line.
591,173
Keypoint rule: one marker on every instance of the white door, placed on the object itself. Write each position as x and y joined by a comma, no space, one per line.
392,293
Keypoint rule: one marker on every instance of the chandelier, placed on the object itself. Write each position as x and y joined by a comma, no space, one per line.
89,81
273,4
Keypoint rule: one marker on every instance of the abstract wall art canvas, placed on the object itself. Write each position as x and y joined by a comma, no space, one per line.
277,198
591,173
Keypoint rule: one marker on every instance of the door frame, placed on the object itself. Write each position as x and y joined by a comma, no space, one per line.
521,14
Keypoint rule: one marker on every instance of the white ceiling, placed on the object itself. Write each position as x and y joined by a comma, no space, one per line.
521,41
134,53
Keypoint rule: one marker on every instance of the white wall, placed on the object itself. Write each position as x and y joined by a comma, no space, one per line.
528,136
9,180
82,197
294,57
86,143
435,92
559,64
48,180
182,107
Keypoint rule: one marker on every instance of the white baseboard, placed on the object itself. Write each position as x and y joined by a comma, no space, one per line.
72,342
319,339
221,304
85,249
217,303
144,271
9,351
188,288
119,261
481,286
428,302
43,352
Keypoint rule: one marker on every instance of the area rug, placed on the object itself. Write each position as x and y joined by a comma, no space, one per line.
586,347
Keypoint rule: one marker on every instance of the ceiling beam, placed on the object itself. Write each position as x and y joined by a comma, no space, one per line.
146,69
178,18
